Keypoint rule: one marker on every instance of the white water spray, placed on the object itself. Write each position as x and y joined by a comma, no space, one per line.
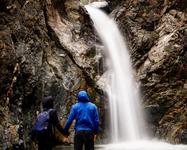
126,115
127,121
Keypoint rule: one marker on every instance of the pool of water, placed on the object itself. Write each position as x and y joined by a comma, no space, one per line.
139,145
63,148
97,147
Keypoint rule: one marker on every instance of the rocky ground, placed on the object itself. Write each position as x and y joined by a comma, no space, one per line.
50,48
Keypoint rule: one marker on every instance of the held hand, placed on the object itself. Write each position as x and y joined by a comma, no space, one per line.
95,136
34,145
66,133
66,139
66,136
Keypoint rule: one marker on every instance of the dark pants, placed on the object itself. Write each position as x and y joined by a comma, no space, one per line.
45,141
84,138
45,146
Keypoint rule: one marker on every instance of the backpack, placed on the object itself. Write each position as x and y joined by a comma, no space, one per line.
41,125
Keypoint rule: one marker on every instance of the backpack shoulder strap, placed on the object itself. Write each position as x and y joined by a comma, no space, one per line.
50,110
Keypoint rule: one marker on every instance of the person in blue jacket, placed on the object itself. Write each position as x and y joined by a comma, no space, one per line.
87,122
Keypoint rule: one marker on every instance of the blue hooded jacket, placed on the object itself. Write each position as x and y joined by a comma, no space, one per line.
85,113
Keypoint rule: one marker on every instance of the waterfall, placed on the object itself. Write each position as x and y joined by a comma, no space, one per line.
128,130
127,121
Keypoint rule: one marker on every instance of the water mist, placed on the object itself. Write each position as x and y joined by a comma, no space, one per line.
126,116
127,121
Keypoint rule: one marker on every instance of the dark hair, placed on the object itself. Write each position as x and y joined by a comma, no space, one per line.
48,102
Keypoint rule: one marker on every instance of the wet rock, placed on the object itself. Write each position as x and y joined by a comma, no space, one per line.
76,47
153,114
156,39
183,137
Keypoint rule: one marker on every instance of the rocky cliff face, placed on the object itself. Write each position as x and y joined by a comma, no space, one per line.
50,48
156,33
35,62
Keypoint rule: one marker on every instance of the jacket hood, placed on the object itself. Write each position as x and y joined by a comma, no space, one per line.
83,97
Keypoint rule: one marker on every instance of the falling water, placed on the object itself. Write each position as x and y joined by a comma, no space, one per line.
127,124
126,115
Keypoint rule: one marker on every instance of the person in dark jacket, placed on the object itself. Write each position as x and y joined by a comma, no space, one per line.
46,139
87,121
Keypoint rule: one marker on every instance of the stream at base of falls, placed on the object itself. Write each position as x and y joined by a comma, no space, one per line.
135,145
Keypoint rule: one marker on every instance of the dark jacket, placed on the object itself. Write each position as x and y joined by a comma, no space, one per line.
53,117
85,113
49,135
